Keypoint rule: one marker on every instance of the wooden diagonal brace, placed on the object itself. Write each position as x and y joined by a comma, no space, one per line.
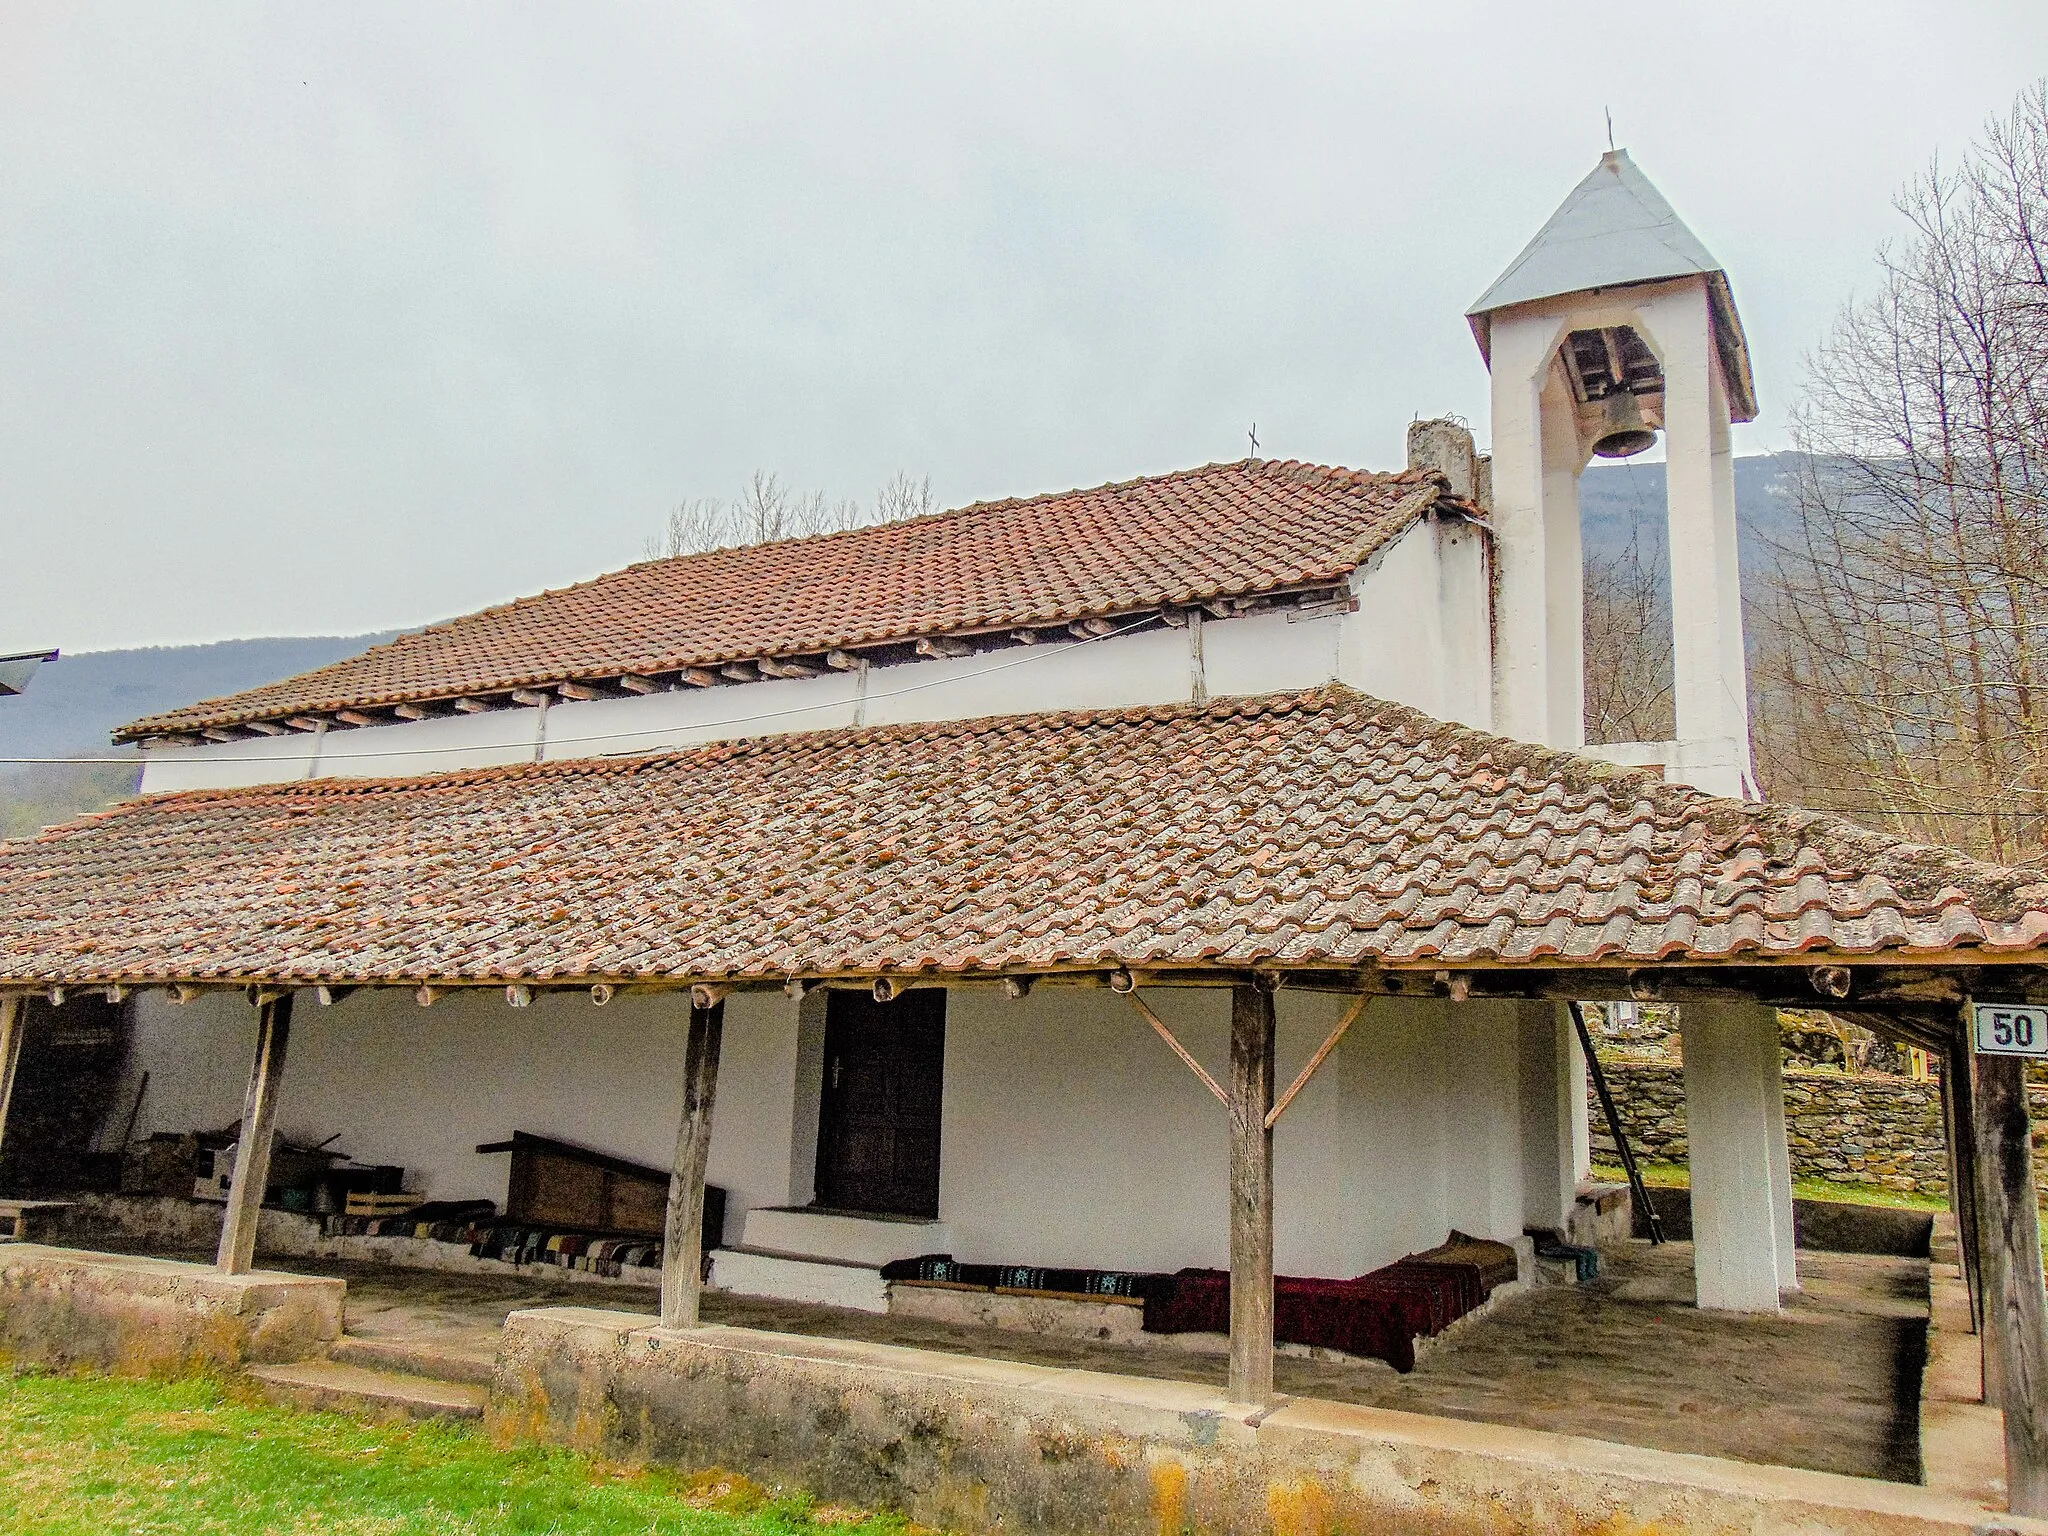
1322,1053
1180,1050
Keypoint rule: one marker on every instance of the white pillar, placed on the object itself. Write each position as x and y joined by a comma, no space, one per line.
1728,1133
1536,537
1709,690
1581,1112
1772,1069
1551,1073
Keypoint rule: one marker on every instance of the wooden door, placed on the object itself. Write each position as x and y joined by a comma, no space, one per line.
878,1117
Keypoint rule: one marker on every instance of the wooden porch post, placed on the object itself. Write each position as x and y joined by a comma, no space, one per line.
682,1245
1251,1194
259,1122
2009,1260
1958,1128
13,1019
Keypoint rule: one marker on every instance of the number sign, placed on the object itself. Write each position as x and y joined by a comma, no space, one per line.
2007,1029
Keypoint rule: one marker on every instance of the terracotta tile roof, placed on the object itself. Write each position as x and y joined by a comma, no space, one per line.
1317,828
1221,530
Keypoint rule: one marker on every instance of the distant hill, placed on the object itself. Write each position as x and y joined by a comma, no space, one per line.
1617,498
76,702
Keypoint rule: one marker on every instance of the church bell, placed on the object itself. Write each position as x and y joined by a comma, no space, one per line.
1623,432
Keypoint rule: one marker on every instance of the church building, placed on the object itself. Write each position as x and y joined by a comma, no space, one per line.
1194,873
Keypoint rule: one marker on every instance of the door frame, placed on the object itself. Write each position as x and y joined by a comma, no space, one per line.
827,1127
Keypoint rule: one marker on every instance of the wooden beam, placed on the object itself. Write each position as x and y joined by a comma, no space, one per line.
632,682
1251,1194
943,646
471,706
357,717
1179,1050
1958,1128
531,698
269,728
842,661
1322,1052
583,692
1091,629
307,723
259,1122
415,711
740,672
697,677
682,1244
13,1016
2015,1302
779,666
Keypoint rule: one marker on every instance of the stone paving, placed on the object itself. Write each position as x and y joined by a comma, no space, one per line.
1832,1384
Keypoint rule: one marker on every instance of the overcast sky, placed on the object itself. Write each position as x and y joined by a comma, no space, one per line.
319,319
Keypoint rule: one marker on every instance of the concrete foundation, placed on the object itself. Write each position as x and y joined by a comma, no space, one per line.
137,1316
978,1445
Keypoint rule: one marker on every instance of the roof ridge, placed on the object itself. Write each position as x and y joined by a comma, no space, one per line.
1003,503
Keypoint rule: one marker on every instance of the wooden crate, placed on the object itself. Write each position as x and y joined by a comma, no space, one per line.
557,1183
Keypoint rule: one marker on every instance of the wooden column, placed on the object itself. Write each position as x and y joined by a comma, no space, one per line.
2015,1303
1958,1129
13,1022
1251,1194
682,1250
259,1123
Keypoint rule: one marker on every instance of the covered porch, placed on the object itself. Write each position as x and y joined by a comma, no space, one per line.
1444,894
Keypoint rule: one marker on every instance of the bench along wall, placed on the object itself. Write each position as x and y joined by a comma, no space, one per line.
1861,1130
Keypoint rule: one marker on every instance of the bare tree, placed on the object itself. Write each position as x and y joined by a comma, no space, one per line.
767,510
904,497
1902,639
1628,648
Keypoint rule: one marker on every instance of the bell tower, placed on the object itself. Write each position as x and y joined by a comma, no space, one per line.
1615,325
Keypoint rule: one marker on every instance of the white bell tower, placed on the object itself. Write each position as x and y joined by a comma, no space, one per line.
1612,325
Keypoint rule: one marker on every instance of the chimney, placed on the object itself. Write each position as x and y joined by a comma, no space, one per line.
1446,445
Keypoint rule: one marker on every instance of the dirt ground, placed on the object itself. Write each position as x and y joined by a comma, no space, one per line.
1832,1383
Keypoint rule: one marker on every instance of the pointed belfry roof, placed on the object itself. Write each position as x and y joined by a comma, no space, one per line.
1615,229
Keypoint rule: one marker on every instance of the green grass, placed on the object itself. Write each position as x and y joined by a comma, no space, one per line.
88,1455
1678,1176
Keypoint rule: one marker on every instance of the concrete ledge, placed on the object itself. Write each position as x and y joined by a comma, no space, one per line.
160,1222
874,1240
139,1316
980,1446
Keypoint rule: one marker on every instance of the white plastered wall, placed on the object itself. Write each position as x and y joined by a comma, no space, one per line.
1421,635
1071,1134
1074,1137
423,1087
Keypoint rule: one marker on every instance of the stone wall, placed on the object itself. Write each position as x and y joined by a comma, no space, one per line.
994,1446
1867,1129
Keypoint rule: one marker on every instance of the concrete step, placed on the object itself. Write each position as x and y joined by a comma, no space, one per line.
448,1359
800,1277
367,1393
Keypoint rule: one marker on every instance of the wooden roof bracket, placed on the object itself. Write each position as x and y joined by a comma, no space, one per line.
1322,1054
1179,1050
